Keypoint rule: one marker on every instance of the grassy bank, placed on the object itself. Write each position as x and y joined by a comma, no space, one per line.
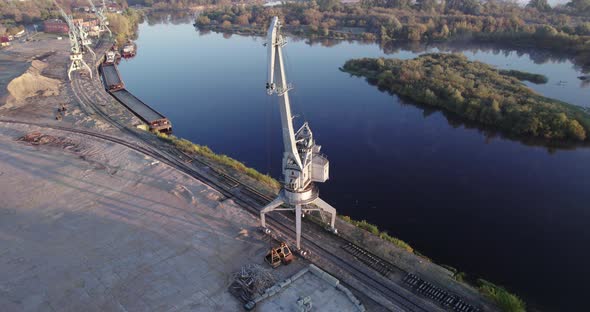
476,92
505,300
224,160
373,229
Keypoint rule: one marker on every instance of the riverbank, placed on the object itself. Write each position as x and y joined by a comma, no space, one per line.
424,178
112,165
69,187
476,92
368,235
385,25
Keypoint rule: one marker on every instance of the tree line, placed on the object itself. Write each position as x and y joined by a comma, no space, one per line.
561,29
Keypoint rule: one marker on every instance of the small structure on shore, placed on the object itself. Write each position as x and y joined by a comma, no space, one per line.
4,41
128,50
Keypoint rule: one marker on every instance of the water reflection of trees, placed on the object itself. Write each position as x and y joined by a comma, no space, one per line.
456,122
538,56
169,17
489,133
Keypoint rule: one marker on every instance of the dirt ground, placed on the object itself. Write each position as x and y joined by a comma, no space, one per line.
89,225
33,79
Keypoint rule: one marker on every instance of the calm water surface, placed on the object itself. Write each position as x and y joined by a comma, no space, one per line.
517,215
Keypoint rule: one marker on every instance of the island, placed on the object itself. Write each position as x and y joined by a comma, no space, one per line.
476,92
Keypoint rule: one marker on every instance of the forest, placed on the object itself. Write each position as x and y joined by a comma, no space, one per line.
476,92
562,29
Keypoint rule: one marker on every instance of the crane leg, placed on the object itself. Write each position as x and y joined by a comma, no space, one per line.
87,67
298,225
268,208
70,70
92,52
327,208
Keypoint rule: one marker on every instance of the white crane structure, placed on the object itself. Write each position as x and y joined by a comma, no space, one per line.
84,40
103,22
76,55
302,162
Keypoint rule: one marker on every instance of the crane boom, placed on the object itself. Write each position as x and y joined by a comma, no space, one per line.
277,71
102,19
76,42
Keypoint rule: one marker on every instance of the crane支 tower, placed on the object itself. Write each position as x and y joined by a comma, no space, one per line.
302,162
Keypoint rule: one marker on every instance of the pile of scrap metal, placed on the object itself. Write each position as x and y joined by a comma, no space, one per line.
279,255
304,304
251,281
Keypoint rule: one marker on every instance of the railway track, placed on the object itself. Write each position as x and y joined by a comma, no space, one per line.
247,197
278,220
226,185
378,264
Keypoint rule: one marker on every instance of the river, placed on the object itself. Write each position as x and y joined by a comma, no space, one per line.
512,213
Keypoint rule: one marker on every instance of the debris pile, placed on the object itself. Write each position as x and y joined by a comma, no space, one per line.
38,138
250,281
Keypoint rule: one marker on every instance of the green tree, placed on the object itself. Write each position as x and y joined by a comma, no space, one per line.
383,35
540,5
575,130
580,5
426,5
583,29
545,31
327,5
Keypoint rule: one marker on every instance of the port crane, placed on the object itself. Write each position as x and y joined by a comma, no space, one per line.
76,52
103,22
302,162
85,40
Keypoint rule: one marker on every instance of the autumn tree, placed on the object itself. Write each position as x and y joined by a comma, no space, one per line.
243,20
226,25
203,20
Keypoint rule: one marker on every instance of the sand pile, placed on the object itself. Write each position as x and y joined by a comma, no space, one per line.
32,83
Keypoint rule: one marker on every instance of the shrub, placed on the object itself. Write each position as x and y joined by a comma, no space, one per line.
192,148
506,301
373,229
